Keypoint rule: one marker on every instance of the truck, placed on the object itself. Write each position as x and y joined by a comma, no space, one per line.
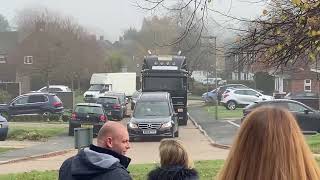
101,83
169,74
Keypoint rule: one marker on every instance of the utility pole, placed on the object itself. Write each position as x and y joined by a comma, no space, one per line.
216,81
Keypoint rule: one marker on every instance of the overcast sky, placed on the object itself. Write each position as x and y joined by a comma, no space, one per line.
112,17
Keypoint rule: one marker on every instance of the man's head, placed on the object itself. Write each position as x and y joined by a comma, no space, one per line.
114,136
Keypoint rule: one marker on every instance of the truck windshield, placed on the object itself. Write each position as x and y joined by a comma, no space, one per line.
163,84
96,87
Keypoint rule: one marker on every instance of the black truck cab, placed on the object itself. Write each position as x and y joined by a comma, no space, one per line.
169,74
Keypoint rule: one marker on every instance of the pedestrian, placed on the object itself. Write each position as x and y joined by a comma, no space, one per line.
270,145
175,163
106,161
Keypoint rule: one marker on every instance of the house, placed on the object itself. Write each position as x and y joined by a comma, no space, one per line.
234,70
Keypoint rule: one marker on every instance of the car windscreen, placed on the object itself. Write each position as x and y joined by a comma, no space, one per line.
147,109
109,100
96,87
163,84
88,109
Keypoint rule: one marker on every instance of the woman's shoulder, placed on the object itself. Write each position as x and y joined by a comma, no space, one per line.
173,172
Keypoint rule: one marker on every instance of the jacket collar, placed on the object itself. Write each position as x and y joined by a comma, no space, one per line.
124,160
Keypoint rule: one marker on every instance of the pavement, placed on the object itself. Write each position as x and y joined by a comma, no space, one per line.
221,131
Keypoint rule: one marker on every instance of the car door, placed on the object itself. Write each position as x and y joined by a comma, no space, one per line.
307,119
240,96
36,104
19,106
252,96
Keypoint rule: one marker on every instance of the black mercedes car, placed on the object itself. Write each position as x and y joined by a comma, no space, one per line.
153,116
307,118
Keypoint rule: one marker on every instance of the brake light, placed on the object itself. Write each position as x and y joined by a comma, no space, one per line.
73,116
116,106
103,118
57,104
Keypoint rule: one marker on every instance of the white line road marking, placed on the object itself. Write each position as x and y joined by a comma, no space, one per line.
235,124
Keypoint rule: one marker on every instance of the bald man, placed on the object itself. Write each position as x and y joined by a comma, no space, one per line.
106,161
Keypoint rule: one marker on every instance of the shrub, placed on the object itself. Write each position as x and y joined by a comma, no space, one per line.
5,97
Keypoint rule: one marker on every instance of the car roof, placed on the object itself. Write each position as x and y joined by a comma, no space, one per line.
115,93
89,104
38,93
154,96
62,86
104,96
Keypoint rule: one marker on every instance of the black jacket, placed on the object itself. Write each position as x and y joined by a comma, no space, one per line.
95,163
173,173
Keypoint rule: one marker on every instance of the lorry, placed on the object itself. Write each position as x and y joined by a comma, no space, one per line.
169,74
101,83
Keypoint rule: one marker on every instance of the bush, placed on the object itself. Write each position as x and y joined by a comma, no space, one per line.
35,118
199,89
5,97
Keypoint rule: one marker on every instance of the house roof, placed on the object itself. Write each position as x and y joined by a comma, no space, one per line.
8,40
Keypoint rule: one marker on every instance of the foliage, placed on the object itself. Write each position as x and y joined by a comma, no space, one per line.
4,24
248,83
314,143
264,82
5,97
5,149
287,34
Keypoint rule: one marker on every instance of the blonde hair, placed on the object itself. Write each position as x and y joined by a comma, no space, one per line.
173,153
270,146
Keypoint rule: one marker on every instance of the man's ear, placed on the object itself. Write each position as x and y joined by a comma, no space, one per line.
108,142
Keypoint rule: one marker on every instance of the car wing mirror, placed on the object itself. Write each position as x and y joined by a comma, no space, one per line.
13,104
306,111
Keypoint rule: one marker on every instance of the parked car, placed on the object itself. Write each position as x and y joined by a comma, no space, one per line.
111,106
307,118
221,89
210,96
135,97
153,116
89,115
55,88
4,126
301,95
123,101
45,104
233,98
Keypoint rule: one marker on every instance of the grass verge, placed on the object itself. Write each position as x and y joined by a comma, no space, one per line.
223,112
207,170
4,149
35,131
314,143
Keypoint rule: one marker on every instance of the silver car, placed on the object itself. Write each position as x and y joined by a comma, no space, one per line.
4,126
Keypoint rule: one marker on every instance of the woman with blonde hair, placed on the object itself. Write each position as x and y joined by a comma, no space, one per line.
270,146
175,163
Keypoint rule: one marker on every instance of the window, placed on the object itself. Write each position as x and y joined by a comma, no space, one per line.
296,107
3,59
307,85
22,100
251,93
28,60
241,92
37,98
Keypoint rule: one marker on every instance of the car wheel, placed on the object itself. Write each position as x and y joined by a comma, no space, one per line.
231,105
176,134
2,138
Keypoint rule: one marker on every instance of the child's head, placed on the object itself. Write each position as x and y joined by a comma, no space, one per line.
173,153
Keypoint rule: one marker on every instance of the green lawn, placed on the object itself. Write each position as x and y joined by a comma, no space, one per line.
35,131
223,112
4,149
314,143
194,97
207,170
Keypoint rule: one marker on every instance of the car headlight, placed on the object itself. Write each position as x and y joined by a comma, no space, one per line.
132,125
167,125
